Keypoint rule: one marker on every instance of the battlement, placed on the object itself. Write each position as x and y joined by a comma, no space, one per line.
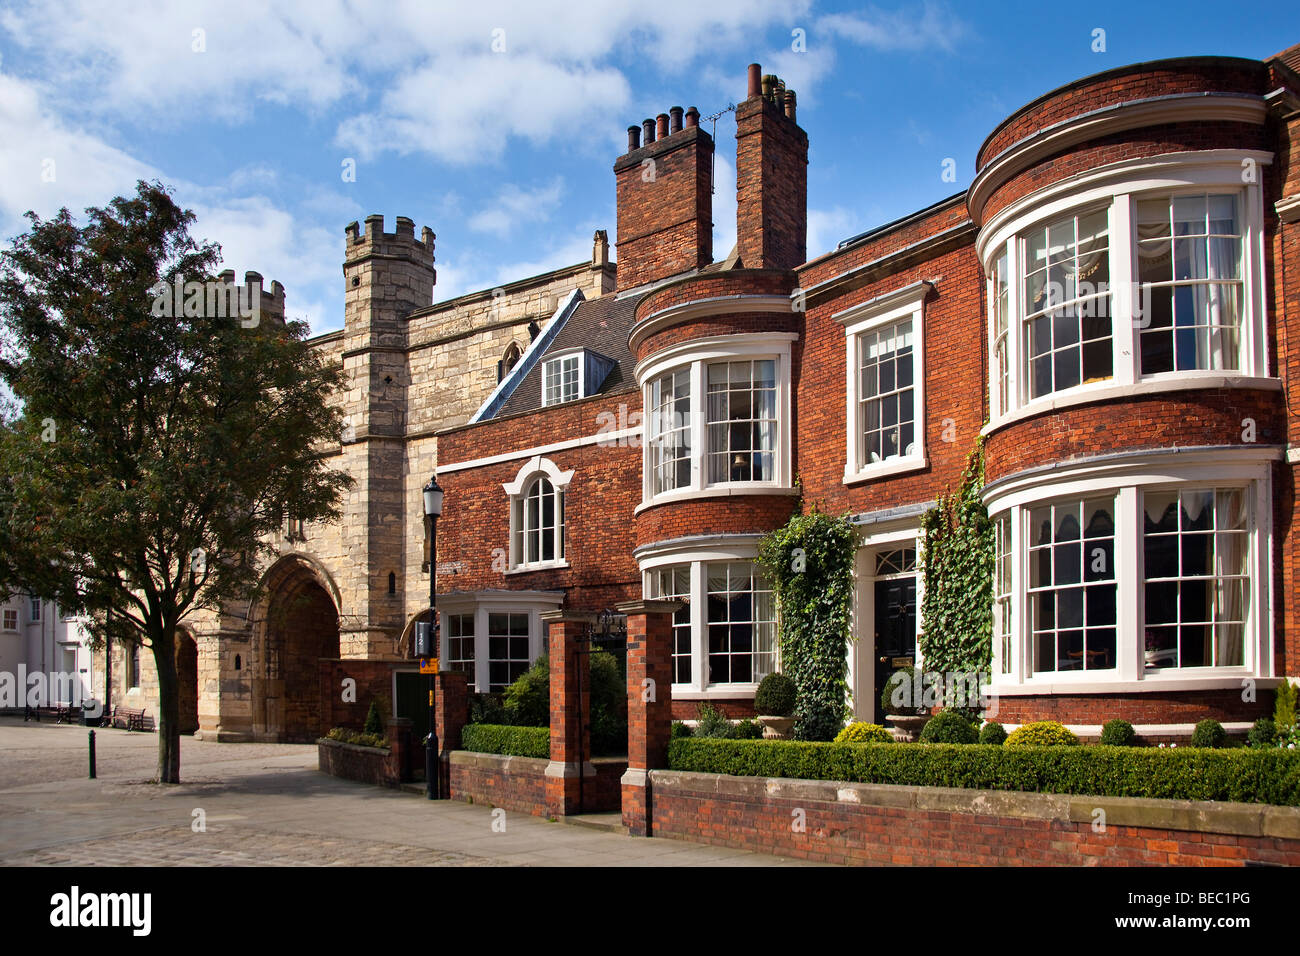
400,243
270,302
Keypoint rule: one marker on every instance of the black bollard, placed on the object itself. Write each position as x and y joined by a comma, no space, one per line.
92,755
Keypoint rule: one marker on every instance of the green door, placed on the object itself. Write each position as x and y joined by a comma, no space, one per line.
413,702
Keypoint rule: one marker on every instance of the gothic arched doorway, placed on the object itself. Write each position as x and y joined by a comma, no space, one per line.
297,627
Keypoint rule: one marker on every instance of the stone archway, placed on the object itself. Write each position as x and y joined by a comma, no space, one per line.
187,678
297,625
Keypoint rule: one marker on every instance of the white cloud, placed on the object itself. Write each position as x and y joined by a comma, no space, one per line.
514,206
46,164
465,110
827,228
935,26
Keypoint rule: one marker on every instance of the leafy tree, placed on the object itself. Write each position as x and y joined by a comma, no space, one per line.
152,455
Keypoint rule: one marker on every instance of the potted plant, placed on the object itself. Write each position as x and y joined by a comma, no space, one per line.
902,703
774,702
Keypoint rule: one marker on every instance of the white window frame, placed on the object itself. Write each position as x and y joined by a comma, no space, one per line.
868,317
517,492
34,612
481,604
1127,479
11,614
861,676
554,365
697,355
697,557
1119,186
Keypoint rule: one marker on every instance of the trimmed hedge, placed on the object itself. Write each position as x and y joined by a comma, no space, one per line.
1240,775
507,741
861,732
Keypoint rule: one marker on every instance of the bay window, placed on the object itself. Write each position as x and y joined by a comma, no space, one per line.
1141,573
494,636
724,635
1116,285
717,416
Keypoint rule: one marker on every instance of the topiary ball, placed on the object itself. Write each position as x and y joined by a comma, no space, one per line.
775,696
1042,733
1209,733
949,727
993,733
1263,733
747,729
860,732
1118,733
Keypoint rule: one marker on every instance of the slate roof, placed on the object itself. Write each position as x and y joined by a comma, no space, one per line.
601,325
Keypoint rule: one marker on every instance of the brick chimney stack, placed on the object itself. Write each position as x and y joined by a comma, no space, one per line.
664,190
771,177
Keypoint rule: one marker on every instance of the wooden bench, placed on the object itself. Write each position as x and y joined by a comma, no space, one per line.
59,713
132,719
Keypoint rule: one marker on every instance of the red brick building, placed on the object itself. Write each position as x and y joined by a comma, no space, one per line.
1113,304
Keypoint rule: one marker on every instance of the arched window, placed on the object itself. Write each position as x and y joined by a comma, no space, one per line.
132,666
537,515
508,361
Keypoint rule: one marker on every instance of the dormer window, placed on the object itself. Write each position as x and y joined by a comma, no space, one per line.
562,379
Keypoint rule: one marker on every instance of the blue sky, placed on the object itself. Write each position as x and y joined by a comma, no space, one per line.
506,153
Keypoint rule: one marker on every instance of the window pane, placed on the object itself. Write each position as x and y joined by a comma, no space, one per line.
1072,585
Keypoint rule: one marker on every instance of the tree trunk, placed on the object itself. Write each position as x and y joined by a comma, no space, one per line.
169,727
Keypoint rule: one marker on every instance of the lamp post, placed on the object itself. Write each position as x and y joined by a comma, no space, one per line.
432,509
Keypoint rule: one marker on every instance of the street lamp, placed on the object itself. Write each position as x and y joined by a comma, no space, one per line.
432,509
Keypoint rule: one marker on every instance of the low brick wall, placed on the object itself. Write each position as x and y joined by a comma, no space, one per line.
519,783
355,762
935,826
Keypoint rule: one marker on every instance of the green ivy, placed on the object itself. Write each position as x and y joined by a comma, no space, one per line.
957,559
809,564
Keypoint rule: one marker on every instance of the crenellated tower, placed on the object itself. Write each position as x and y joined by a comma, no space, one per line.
387,276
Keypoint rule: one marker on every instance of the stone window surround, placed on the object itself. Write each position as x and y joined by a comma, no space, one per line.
517,490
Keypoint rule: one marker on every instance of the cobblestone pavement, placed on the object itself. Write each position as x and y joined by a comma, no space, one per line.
268,805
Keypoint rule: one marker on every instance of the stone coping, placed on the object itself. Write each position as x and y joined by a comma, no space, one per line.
499,762
1237,819
359,748
505,763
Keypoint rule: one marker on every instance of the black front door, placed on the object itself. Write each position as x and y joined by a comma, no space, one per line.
895,628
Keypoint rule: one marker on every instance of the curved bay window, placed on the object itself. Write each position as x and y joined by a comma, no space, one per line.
742,420
724,636
1115,284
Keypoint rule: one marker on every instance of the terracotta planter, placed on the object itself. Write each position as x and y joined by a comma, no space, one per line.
909,724
776,728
